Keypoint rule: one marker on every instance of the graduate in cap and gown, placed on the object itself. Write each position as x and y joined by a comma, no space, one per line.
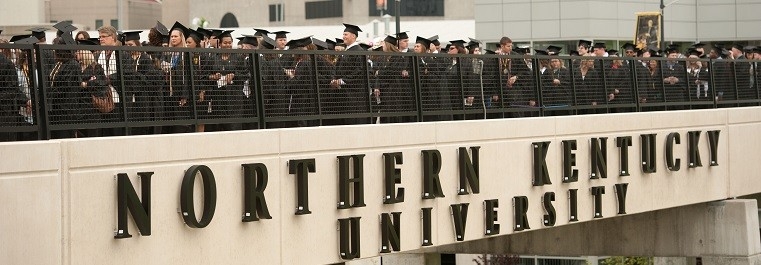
395,93
349,91
146,101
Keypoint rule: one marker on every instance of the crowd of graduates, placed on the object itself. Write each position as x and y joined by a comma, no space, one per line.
158,88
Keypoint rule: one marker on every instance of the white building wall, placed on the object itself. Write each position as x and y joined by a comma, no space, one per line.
544,20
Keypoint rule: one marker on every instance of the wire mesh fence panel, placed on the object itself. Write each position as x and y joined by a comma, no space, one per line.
346,97
699,90
393,94
649,84
589,89
744,71
724,81
675,84
18,104
519,93
490,73
435,83
275,95
556,87
619,88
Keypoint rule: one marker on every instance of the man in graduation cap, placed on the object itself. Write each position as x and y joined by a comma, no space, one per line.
435,44
404,42
281,38
675,79
742,72
348,88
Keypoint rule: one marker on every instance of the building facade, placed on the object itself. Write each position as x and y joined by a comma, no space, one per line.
613,21
285,13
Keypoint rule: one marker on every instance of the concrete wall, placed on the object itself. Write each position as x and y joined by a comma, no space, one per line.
29,12
61,195
685,20
256,13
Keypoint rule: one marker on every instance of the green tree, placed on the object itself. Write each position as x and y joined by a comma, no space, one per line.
627,261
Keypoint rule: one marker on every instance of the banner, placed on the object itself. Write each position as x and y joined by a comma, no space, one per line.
647,30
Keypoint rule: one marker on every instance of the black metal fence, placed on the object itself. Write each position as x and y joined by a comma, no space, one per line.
56,91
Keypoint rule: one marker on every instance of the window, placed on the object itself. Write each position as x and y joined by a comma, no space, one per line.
276,12
54,21
420,8
98,23
324,9
115,23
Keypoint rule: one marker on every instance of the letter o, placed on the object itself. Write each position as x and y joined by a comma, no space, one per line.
209,198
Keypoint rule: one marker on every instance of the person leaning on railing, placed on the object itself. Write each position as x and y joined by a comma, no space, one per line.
14,105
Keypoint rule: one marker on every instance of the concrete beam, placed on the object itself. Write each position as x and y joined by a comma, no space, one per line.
727,228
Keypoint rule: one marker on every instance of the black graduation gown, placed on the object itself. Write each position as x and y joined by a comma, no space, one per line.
352,95
434,88
11,98
147,102
396,94
675,92
556,95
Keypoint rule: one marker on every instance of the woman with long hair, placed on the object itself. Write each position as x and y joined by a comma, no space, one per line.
176,94
93,83
67,100
587,81
394,90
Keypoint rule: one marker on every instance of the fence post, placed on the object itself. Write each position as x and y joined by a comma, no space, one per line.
43,107
416,86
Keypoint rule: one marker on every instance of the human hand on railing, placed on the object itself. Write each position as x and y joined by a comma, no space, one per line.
556,82
290,73
229,77
335,84
28,108
166,66
642,100
469,101
202,96
532,103
611,96
183,101
376,93
594,103
495,98
405,74
511,80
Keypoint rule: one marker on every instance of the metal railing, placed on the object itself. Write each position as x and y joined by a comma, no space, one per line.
150,90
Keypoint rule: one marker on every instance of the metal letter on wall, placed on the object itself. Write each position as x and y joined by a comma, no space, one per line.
459,218
541,174
392,176
713,147
549,218
621,189
648,153
597,192
520,210
127,201
693,139
254,183
468,170
209,196
599,159
573,205
349,238
390,232
671,163
355,183
490,208
570,174
426,219
301,168
623,144
431,169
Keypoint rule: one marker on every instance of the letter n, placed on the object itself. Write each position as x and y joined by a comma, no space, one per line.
127,201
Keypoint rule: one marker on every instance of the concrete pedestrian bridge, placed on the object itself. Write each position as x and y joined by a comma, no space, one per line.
649,183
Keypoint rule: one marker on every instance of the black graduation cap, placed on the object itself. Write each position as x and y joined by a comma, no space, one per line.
179,26
260,32
489,52
64,27
612,52
653,52
378,49
321,45
194,33
391,40
216,32
554,50
340,42
423,41
628,46
249,39
267,42
402,35
16,38
365,46
435,40
737,46
472,45
331,44
698,45
352,28
87,42
38,33
132,35
458,43
599,45
224,33
473,42
446,49
280,34
298,43
96,40
756,50
585,43
748,49
693,51
522,50
672,49
161,28
541,52
205,32
574,53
